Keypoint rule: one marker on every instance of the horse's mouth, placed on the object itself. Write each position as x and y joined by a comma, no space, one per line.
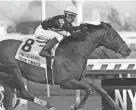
126,53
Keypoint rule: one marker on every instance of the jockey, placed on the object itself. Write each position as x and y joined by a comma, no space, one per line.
49,29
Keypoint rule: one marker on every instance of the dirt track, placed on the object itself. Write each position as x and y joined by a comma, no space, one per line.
64,103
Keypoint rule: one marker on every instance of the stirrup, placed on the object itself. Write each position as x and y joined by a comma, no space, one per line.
48,54
50,57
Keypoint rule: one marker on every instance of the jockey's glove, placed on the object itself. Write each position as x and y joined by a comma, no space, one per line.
82,27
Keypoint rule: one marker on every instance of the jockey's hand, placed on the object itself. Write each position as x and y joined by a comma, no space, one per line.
82,26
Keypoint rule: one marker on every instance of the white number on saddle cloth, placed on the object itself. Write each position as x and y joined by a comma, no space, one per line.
28,52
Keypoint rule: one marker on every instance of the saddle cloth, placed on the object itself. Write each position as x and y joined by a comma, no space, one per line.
29,50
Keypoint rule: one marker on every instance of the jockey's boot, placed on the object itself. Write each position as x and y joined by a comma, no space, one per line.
45,52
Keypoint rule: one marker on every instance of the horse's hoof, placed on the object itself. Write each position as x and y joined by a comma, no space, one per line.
53,108
72,107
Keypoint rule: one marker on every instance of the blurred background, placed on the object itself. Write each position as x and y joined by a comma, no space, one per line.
22,17
19,19
14,15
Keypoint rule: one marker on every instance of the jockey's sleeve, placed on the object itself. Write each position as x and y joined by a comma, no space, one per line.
45,25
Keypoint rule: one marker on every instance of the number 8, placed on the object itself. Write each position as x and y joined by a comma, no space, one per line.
28,45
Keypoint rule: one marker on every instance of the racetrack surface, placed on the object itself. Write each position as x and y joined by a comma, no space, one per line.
64,103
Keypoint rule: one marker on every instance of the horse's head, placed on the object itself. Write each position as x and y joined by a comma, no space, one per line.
109,38
113,41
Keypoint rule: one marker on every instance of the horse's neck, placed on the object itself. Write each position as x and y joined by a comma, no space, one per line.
83,48
79,44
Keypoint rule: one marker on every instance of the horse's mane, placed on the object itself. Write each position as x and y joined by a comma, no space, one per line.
80,35
102,24
94,27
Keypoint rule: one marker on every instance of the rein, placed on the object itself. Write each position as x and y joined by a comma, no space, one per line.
85,57
99,42
77,52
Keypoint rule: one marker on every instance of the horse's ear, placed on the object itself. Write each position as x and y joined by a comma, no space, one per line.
104,24
101,22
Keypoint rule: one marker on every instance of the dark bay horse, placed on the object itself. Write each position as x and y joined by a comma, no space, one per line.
69,66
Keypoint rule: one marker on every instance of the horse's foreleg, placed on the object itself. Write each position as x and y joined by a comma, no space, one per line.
74,85
22,92
8,98
103,93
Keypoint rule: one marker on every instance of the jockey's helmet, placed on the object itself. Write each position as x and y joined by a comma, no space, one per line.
70,13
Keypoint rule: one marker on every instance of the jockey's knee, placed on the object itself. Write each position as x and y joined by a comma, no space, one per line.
59,38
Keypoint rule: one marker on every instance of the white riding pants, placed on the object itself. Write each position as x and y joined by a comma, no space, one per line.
45,35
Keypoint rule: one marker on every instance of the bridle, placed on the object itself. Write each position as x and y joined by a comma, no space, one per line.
99,42
115,47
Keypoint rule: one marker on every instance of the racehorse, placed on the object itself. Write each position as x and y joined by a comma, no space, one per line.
69,66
